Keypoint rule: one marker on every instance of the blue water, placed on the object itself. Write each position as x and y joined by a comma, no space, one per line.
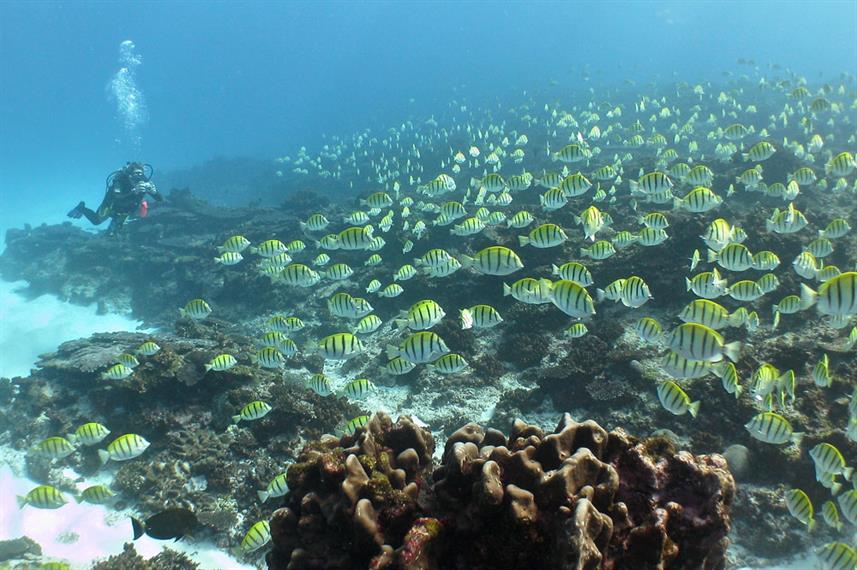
262,79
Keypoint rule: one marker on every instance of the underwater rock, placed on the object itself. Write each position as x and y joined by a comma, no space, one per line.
578,497
17,548
738,458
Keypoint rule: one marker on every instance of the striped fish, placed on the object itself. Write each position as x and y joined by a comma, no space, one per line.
358,388
299,275
255,410
258,536
710,314
123,448
836,297
277,487
572,299
451,363
698,200
635,293
675,400
91,433
544,236
420,348
649,329
800,507
848,505
771,427
530,291
268,357
480,317
733,257
699,342
54,448
43,497
340,346
95,495
269,248
573,271
355,238
651,183
422,315
398,366
221,362
683,368
494,260
837,556
828,459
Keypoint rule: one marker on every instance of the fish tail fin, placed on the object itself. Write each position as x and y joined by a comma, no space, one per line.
736,319
599,295
554,269
688,283
466,261
139,528
523,240
401,323
847,472
712,256
797,438
263,495
732,351
392,351
693,408
506,290
103,456
835,488
208,367
807,296
21,501
236,419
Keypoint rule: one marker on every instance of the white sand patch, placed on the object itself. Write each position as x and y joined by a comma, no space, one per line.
31,328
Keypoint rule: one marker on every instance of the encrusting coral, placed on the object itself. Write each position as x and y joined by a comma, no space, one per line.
577,498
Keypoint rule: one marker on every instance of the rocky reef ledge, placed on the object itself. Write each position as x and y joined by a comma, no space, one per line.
577,498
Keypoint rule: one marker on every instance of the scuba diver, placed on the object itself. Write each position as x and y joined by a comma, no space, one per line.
126,192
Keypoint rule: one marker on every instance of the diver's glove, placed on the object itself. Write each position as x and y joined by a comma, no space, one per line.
77,211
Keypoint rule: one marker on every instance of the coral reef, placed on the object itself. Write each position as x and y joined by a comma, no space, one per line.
578,497
197,458
129,560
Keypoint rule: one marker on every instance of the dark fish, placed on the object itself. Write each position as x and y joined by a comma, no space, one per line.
171,523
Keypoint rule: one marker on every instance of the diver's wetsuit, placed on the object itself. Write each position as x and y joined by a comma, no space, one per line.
123,198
